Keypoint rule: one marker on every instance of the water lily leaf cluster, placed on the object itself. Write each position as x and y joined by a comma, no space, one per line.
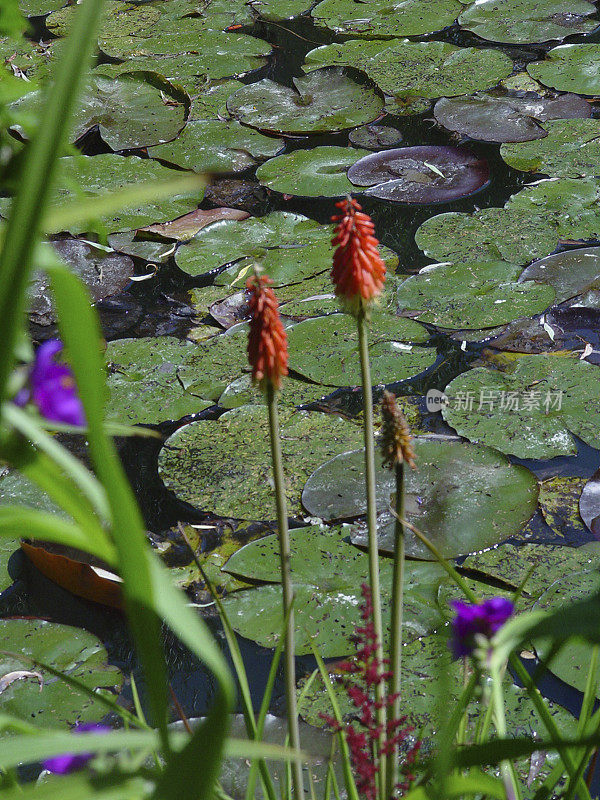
548,399
570,150
425,69
570,68
385,19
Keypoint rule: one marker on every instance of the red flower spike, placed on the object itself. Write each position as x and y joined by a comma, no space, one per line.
358,272
267,339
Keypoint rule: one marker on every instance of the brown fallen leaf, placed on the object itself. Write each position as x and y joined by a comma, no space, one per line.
18,675
188,226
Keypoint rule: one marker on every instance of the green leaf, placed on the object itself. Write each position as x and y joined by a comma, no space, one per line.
386,19
570,68
571,150
318,172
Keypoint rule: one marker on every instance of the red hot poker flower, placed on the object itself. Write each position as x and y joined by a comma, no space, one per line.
267,340
358,270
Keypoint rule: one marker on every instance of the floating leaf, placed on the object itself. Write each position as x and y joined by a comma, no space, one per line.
570,273
462,497
524,21
211,100
103,273
492,234
75,652
471,295
106,173
532,410
318,172
506,118
143,380
324,101
224,465
425,174
570,68
571,150
559,500
424,69
325,350
293,392
186,227
217,146
375,137
384,18
589,504
327,573
277,10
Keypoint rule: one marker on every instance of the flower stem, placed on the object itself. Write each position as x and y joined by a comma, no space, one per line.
396,626
509,776
286,582
363,347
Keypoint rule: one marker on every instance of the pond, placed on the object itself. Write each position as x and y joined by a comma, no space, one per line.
473,145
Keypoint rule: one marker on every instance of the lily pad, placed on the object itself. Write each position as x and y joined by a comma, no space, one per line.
375,137
505,117
103,273
325,350
224,465
46,701
559,501
463,497
532,410
106,173
425,174
327,573
278,10
571,150
384,18
318,172
570,68
324,101
186,227
217,146
422,69
472,295
528,21
211,100
214,363
570,273
589,504
293,392
143,382
136,109
572,662
39,8
492,234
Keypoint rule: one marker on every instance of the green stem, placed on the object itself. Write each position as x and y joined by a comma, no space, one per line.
509,777
363,347
286,582
396,627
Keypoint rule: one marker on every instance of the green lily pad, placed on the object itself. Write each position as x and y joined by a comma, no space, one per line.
464,498
211,101
214,363
327,573
589,509
472,295
136,109
48,702
543,563
524,21
375,137
217,146
225,465
242,392
570,273
108,173
559,504
424,69
504,117
384,18
134,244
324,101
570,68
278,10
143,382
492,234
530,411
572,205
406,106
325,350
573,661
318,172
39,8
571,150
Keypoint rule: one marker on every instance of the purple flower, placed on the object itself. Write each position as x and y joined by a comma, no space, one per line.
70,762
52,387
485,618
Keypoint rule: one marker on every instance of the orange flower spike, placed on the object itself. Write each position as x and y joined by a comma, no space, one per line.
358,270
267,339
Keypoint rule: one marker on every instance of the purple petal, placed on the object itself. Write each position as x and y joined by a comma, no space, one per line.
66,763
53,387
